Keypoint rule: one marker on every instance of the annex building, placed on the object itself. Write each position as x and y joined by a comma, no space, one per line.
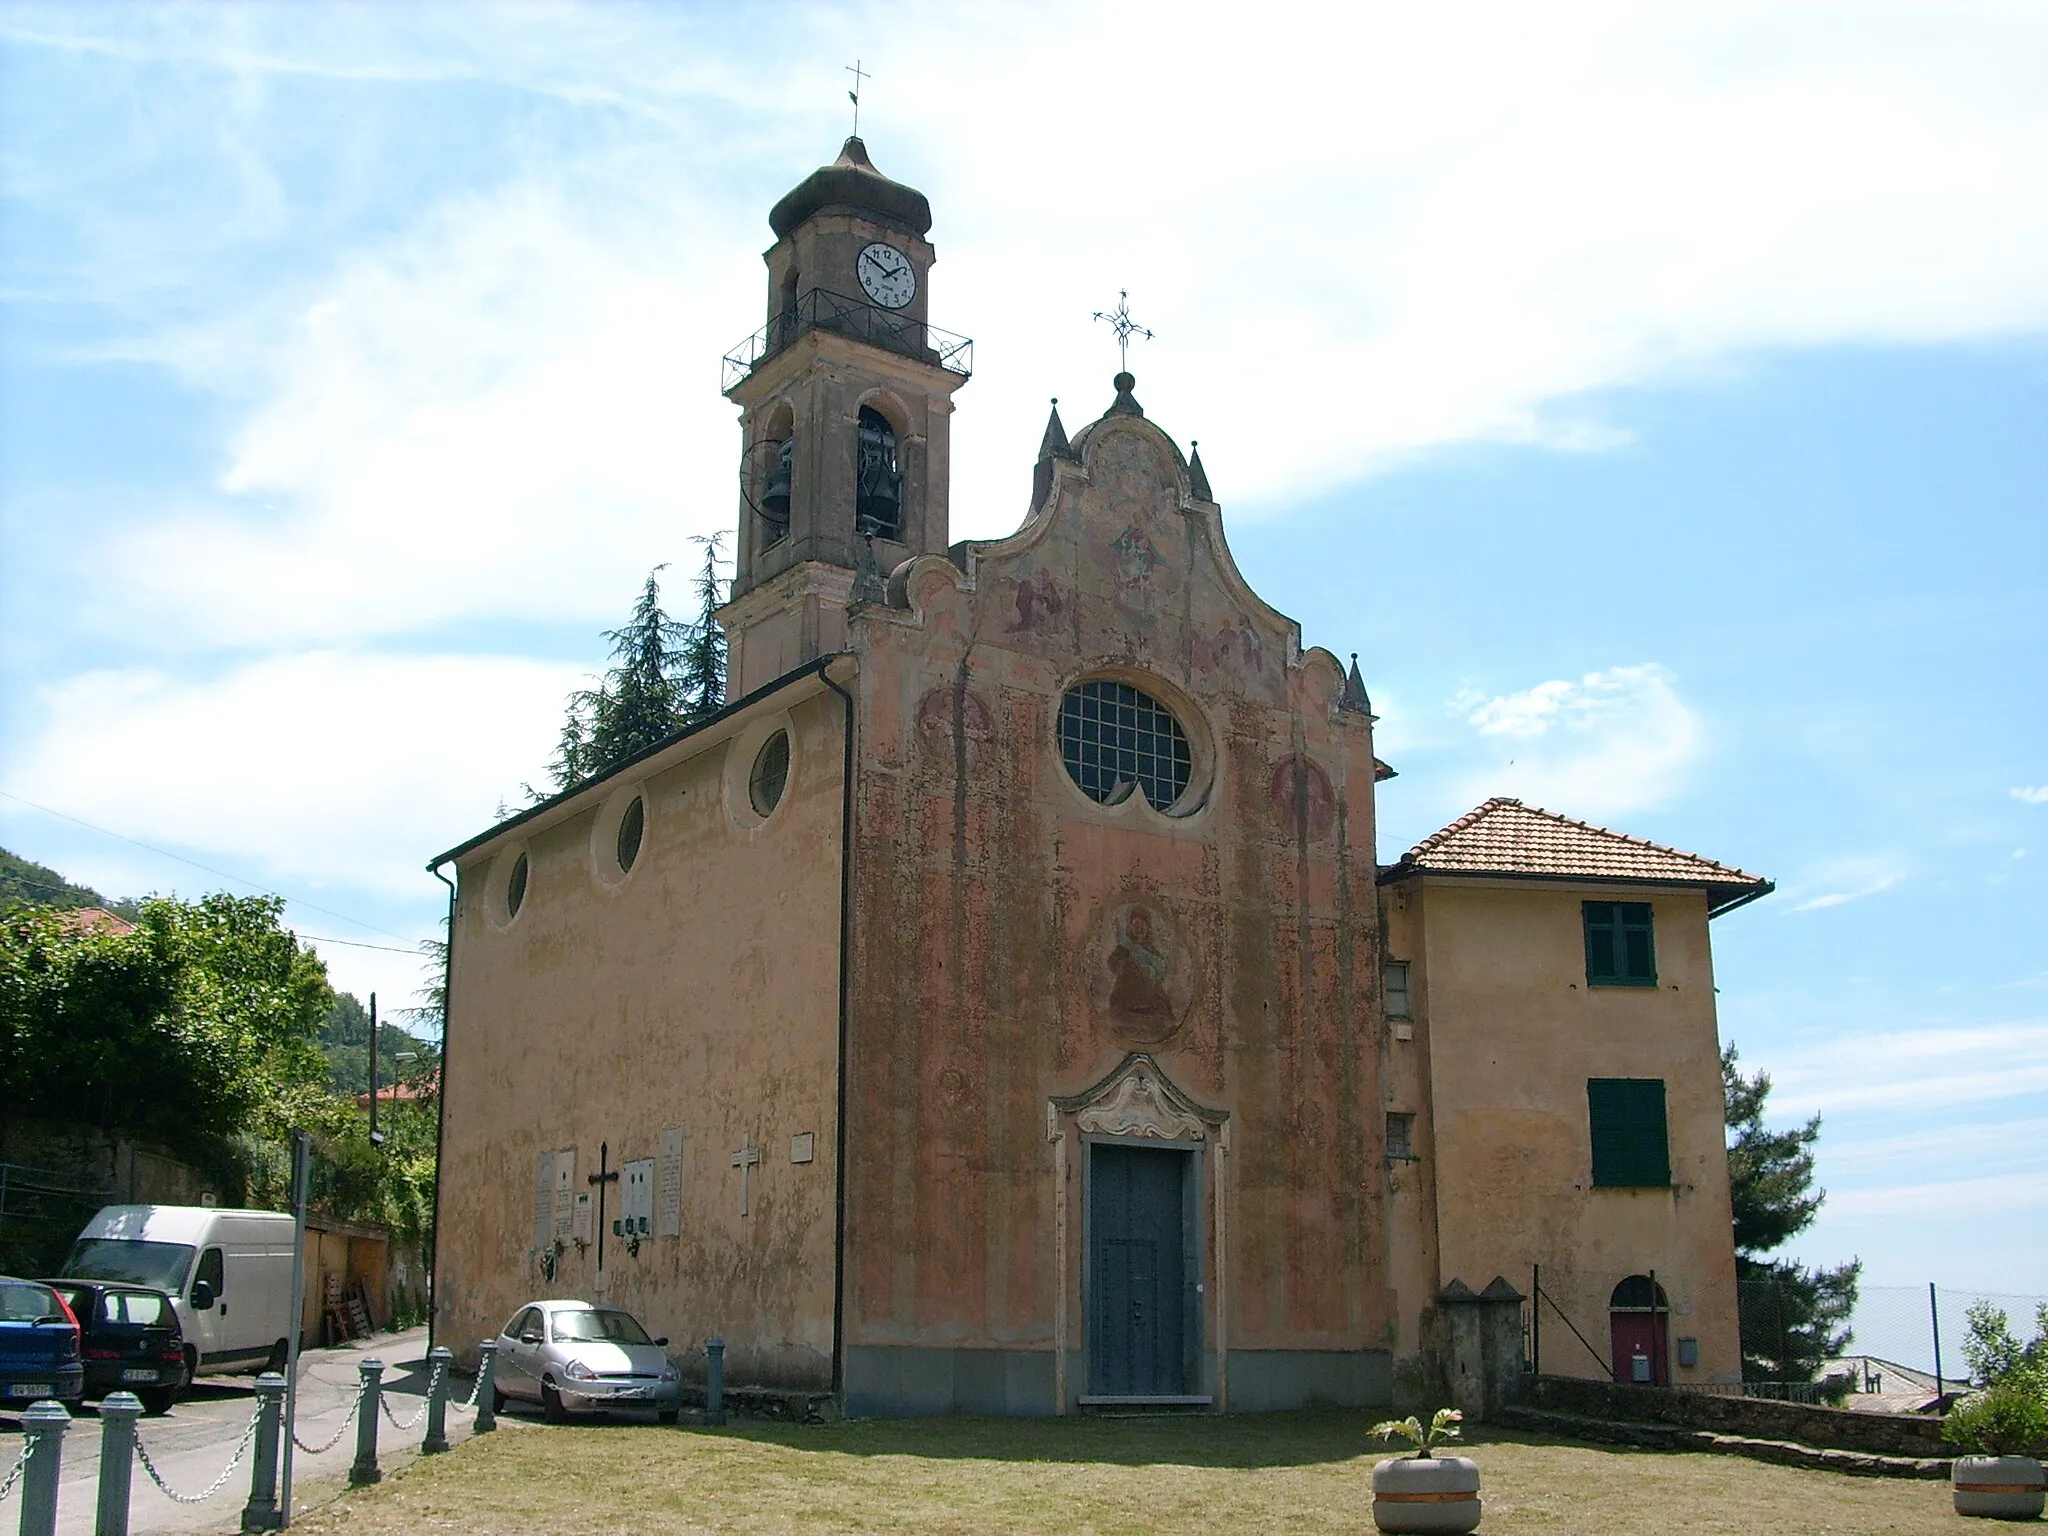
1001,1005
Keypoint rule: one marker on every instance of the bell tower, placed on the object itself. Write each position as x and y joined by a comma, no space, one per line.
846,401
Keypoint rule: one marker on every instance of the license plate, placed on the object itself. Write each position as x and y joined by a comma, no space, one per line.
30,1389
637,1392
138,1375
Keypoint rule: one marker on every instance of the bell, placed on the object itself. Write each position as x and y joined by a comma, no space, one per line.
775,496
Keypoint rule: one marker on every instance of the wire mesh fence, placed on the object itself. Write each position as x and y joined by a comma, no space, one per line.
1896,1340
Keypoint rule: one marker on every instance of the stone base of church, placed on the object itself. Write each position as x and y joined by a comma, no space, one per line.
907,1381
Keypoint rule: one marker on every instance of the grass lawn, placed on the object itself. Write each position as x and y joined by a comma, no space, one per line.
1087,1477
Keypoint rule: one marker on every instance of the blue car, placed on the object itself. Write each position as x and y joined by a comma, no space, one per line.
39,1355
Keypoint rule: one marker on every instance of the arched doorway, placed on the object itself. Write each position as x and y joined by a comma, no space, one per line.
1638,1317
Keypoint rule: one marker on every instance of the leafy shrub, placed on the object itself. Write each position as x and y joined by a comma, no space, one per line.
2007,1419
1443,1427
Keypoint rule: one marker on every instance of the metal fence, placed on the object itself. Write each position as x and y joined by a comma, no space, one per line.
38,1467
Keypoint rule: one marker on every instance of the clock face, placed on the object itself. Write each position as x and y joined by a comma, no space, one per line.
886,275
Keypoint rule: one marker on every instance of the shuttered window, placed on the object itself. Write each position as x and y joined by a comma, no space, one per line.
1630,1147
1621,949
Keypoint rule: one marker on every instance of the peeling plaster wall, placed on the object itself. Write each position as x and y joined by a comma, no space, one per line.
990,892
1511,1033
699,990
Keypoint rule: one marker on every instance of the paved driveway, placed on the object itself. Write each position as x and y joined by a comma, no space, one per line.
192,1443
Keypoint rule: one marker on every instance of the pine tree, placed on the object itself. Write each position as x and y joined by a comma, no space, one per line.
703,678
1793,1318
638,703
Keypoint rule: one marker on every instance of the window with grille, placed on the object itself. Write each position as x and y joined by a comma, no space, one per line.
1631,1147
1116,738
1401,1137
1621,948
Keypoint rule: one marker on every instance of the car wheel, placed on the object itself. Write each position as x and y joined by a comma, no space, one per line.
157,1401
669,1415
551,1407
280,1357
191,1366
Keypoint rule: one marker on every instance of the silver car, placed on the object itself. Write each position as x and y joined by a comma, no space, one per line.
577,1357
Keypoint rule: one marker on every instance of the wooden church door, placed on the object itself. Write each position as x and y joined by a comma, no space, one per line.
1138,1272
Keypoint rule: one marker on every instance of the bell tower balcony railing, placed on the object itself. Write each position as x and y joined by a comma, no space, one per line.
818,309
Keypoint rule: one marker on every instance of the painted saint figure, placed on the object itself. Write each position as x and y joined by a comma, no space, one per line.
1137,995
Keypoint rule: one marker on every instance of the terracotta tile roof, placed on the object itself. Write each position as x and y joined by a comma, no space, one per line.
1504,837
95,920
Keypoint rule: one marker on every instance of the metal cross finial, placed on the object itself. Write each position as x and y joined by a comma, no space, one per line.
853,95
1125,327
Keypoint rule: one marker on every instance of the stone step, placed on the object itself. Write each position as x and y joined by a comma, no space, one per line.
1674,1437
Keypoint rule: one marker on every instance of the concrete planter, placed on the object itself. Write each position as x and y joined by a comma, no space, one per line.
1426,1494
1998,1487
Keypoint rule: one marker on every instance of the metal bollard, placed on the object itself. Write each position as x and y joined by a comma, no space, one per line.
440,1361
118,1414
261,1512
365,1468
714,1381
43,1426
486,1385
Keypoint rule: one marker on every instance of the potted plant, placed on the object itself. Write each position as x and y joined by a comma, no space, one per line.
2004,1423
1425,1492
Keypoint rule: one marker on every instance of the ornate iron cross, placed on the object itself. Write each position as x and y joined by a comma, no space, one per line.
1125,327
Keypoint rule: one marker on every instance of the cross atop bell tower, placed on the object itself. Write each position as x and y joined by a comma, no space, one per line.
845,398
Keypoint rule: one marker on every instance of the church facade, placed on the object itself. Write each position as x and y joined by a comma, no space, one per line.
999,1005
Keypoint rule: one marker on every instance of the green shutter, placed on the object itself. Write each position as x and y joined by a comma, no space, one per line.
1621,946
1631,1149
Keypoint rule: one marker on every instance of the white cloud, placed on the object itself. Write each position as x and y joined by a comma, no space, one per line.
1612,742
1456,220
1840,881
1998,1143
315,767
2032,794
1914,1070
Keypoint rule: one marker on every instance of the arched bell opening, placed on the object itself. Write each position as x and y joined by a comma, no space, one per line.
767,476
1638,1320
878,478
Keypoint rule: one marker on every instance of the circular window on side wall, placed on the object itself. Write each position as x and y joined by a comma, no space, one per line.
515,887
770,775
632,827
1117,740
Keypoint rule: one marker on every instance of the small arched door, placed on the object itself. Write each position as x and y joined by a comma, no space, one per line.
1637,1318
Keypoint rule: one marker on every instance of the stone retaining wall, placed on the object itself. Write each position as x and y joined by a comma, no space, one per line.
1886,1434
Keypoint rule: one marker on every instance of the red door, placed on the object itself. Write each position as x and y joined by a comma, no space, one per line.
1639,1354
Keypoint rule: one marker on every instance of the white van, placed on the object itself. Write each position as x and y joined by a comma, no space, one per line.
229,1273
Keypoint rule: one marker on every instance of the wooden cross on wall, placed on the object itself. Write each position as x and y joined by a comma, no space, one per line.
744,1160
600,1179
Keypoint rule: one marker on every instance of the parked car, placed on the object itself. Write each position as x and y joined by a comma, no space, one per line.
38,1345
575,1357
228,1274
131,1341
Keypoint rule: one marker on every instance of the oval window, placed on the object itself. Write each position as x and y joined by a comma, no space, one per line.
515,888
771,773
632,826
1116,739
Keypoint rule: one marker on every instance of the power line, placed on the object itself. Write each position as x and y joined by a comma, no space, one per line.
223,874
389,949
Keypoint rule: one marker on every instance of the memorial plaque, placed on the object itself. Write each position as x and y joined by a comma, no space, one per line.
668,1203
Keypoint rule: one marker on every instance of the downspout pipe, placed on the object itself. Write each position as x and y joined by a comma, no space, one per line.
845,991
440,1113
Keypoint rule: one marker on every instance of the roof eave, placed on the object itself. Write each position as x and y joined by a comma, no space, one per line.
1731,893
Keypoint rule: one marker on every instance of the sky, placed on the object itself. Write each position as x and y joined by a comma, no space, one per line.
1654,396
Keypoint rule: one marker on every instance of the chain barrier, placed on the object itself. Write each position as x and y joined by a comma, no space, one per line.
475,1390
402,1425
346,1420
28,1449
142,1454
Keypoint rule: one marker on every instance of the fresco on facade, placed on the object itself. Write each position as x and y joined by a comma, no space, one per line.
1301,795
1146,979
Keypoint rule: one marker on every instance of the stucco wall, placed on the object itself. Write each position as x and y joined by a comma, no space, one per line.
700,990
1511,1032
990,892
